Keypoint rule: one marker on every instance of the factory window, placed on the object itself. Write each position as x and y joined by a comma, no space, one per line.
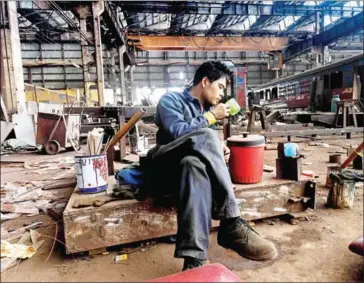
326,81
275,93
261,94
336,80
267,95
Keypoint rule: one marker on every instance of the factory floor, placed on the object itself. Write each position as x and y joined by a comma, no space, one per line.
314,250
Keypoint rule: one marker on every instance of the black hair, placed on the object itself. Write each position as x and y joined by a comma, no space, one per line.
213,70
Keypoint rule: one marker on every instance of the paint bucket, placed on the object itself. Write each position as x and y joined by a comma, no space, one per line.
91,173
333,168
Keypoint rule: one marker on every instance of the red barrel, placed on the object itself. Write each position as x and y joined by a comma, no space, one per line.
246,158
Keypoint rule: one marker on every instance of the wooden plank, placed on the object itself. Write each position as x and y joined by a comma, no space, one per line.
127,221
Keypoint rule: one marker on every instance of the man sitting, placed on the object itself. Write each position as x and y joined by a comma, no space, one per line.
189,161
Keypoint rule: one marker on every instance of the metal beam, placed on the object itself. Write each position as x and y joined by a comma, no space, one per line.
303,21
160,62
234,9
84,48
110,14
313,72
132,84
17,65
97,9
218,31
328,36
208,43
321,132
176,24
122,74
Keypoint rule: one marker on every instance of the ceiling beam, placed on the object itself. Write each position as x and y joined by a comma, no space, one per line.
328,36
217,32
208,43
110,16
310,19
153,62
234,9
52,62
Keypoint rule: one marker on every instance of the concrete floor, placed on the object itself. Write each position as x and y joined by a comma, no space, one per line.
311,251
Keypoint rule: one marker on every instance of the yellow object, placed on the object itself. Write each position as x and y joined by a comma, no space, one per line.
119,258
210,118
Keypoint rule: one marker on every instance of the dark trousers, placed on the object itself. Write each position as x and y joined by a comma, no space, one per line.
192,168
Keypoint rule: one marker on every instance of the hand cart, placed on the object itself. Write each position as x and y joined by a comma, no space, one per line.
55,131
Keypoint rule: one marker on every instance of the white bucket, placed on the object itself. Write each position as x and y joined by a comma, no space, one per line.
92,173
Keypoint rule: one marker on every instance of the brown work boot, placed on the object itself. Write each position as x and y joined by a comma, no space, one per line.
236,234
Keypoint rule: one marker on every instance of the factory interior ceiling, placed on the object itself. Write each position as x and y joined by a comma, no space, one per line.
276,25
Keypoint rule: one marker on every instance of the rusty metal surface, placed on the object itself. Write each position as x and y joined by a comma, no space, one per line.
45,124
127,221
313,132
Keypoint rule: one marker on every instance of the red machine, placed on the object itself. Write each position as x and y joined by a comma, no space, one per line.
209,273
357,246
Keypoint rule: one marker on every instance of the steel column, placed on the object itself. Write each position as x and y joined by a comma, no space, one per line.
122,49
319,50
84,55
132,84
16,58
112,78
83,12
97,9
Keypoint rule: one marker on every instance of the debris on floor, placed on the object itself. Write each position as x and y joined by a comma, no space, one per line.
30,198
26,247
120,258
16,145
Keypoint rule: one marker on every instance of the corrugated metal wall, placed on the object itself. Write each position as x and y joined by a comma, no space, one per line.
159,71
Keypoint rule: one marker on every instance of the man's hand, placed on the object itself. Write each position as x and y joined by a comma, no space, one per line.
221,111
226,151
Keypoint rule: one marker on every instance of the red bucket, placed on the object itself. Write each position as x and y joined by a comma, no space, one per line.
246,158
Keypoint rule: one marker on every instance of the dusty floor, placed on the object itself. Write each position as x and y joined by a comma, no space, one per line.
311,251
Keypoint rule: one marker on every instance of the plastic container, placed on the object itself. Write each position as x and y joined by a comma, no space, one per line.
291,149
246,158
91,173
234,106
334,98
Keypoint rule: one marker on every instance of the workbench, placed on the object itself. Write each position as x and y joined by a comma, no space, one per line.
126,221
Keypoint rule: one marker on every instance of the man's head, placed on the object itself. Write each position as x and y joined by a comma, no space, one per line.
212,78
